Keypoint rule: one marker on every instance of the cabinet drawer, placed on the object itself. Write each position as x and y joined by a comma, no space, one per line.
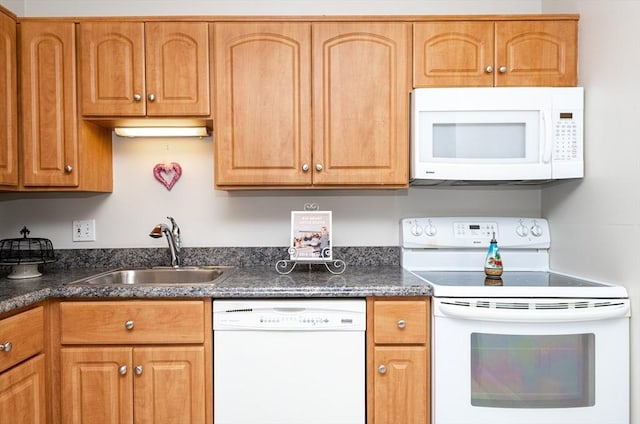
132,322
401,321
23,334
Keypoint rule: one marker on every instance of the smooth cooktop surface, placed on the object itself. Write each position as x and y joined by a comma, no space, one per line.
516,284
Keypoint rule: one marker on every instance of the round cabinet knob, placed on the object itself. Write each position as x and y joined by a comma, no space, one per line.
139,370
502,69
402,324
305,167
137,97
123,370
318,167
489,69
536,229
416,230
68,169
151,97
6,347
382,369
128,325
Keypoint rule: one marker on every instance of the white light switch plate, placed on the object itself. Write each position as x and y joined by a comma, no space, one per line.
84,230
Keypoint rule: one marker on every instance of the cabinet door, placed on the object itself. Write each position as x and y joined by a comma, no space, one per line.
169,385
8,103
49,113
401,388
97,385
112,68
537,53
453,54
263,104
22,393
177,70
360,103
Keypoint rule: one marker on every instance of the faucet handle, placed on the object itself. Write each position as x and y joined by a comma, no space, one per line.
175,230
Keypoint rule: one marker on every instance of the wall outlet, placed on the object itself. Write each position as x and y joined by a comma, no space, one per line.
84,230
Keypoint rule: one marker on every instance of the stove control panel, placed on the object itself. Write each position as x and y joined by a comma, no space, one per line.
465,232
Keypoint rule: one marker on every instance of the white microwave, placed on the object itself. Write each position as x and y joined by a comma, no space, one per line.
522,135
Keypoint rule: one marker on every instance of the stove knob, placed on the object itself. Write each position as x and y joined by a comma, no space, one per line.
430,230
416,230
536,229
522,231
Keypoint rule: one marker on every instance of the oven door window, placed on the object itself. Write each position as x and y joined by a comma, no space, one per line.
532,371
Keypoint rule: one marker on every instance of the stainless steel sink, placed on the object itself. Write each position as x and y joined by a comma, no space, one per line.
158,276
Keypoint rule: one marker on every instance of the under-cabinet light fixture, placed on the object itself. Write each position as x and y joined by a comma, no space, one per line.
161,131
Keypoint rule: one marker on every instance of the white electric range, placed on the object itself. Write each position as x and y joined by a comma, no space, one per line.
532,346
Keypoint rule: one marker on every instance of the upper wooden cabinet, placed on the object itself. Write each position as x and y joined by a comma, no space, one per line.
8,101
136,69
60,151
500,53
311,105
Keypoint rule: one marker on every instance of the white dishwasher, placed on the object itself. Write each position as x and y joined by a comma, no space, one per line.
289,361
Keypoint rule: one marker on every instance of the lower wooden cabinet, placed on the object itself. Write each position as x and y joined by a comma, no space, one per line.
22,393
135,361
23,396
398,371
126,385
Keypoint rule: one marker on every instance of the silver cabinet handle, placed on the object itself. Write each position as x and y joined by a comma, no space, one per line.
68,169
502,69
489,69
382,369
305,167
137,97
151,97
6,347
122,370
402,324
128,325
139,370
318,167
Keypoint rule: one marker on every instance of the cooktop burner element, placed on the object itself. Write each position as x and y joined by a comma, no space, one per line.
449,252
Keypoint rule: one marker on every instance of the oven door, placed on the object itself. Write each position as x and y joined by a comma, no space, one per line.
505,361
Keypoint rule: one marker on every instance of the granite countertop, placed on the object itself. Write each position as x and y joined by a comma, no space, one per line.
243,282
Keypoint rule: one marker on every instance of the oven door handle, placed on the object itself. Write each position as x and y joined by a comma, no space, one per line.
599,311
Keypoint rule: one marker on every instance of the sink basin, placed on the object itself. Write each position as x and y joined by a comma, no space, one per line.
158,276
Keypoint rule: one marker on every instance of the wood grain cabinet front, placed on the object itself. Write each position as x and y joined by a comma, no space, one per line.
23,396
60,151
505,53
135,361
8,102
398,371
302,104
138,69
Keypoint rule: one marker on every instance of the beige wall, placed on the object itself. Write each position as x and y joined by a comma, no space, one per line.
596,224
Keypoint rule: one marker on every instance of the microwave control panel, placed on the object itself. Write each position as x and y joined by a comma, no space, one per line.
565,137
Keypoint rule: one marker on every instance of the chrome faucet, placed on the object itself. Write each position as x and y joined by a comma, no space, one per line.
173,238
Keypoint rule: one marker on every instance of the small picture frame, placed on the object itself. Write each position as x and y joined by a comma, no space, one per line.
311,235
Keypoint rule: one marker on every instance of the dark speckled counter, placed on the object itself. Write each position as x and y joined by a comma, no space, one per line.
243,282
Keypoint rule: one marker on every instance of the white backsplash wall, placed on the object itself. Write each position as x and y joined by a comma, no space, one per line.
210,218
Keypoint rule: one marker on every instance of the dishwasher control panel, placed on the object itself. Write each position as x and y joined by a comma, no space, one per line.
289,315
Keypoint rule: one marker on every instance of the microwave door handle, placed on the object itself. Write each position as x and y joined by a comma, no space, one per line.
547,138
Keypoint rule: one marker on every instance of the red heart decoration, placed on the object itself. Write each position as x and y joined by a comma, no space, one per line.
167,173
